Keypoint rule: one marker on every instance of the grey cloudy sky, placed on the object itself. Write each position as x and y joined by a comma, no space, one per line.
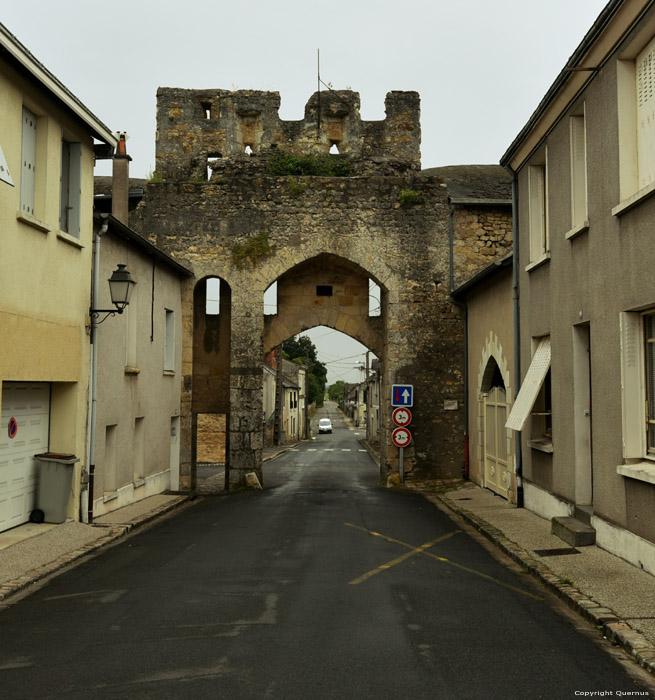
480,66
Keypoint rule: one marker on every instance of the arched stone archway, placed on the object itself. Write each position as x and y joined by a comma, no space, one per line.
365,213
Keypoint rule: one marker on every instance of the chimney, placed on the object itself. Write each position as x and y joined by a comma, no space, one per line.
120,187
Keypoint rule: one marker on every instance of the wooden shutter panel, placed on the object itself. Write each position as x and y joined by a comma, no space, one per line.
28,162
75,189
632,386
530,386
645,70
578,171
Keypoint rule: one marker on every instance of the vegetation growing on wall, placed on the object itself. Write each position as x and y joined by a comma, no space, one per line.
408,198
285,163
255,249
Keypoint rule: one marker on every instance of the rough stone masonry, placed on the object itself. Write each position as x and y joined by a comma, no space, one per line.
321,205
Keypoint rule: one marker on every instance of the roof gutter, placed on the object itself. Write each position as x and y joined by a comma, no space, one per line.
29,63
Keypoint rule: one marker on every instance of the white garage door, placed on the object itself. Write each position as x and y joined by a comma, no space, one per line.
23,433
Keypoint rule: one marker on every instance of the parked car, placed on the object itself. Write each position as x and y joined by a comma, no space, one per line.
324,425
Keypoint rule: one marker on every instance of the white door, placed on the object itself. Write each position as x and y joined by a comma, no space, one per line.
496,472
24,433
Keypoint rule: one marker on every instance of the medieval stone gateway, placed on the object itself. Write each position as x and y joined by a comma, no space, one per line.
240,195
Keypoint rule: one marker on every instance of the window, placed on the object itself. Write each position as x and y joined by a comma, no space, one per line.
131,334
538,211
649,338
578,172
534,399
636,112
28,162
71,188
169,350
638,384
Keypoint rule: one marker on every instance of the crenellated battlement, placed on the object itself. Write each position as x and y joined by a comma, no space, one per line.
201,133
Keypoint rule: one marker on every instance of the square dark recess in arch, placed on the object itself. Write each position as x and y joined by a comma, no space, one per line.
323,290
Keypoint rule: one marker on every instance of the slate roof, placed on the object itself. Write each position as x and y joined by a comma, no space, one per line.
471,183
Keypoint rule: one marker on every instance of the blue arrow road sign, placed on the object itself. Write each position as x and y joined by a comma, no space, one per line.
402,395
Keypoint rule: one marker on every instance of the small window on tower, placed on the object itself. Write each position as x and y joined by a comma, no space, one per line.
323,290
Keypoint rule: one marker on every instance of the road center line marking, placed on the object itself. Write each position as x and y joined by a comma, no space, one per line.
421,550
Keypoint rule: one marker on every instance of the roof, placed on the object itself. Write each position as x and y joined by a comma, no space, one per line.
482,275
598,43
102,186
14,53
475,184
118,228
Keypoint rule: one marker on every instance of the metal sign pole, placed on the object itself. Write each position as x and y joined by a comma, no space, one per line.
400,465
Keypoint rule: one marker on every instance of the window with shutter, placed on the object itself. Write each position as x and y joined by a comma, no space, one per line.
645,75
538,212
28,162
578,171
649,337
531,386
71,188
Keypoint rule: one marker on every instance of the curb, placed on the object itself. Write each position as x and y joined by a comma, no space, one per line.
608,623
115,532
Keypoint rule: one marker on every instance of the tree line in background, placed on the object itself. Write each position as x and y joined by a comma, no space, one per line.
301,349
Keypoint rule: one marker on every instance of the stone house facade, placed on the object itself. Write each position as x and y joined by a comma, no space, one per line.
585,175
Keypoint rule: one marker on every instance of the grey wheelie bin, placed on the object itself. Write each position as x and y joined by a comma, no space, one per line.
53,492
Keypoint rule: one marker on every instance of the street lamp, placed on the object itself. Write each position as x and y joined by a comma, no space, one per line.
120,290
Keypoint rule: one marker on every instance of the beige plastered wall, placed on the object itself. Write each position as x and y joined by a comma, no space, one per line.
141,390
45,274
490,334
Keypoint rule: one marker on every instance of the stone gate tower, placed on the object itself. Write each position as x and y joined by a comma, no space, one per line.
321,205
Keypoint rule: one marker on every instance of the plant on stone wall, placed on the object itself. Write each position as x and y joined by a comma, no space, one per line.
285,163
256,248
155,176
296,188
408,198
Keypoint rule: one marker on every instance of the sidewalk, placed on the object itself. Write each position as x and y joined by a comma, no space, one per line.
615,596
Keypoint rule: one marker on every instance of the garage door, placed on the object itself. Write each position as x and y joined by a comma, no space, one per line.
23,433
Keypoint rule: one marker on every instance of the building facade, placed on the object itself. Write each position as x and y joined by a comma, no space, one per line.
585,174
46,218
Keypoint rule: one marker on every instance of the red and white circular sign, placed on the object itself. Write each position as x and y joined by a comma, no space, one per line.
401,437
402,416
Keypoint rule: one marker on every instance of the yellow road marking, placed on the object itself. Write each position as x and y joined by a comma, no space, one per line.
421,550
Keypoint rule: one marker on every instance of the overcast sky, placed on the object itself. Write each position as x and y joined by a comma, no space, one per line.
481,67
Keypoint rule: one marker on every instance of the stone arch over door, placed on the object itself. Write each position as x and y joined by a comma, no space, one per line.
495,443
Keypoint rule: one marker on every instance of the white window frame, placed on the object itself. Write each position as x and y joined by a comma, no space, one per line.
70,197
538,211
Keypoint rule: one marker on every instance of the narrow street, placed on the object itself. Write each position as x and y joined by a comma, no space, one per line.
324,585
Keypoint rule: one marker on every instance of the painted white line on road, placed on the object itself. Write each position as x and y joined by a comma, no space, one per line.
312,449
345,449
362,450
329,449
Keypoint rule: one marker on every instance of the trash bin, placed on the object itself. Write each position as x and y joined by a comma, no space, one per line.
53,492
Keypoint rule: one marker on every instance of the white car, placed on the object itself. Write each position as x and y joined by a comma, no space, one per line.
324,425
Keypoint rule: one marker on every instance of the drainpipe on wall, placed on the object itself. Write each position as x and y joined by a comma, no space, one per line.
93,380
462,306
517,335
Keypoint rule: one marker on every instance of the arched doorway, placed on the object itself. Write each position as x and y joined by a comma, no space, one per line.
495,440
210,408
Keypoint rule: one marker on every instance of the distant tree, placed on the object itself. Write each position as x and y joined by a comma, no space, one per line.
336,391
301,348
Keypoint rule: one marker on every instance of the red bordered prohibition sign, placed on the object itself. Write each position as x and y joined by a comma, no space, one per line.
12,428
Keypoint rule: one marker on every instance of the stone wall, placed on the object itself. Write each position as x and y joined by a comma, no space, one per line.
384,222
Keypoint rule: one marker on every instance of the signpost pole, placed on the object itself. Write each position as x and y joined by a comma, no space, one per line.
400,465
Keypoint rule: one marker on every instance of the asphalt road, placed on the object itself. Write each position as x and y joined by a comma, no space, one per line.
324,585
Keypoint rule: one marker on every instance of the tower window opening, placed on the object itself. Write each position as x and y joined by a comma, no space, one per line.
323,290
